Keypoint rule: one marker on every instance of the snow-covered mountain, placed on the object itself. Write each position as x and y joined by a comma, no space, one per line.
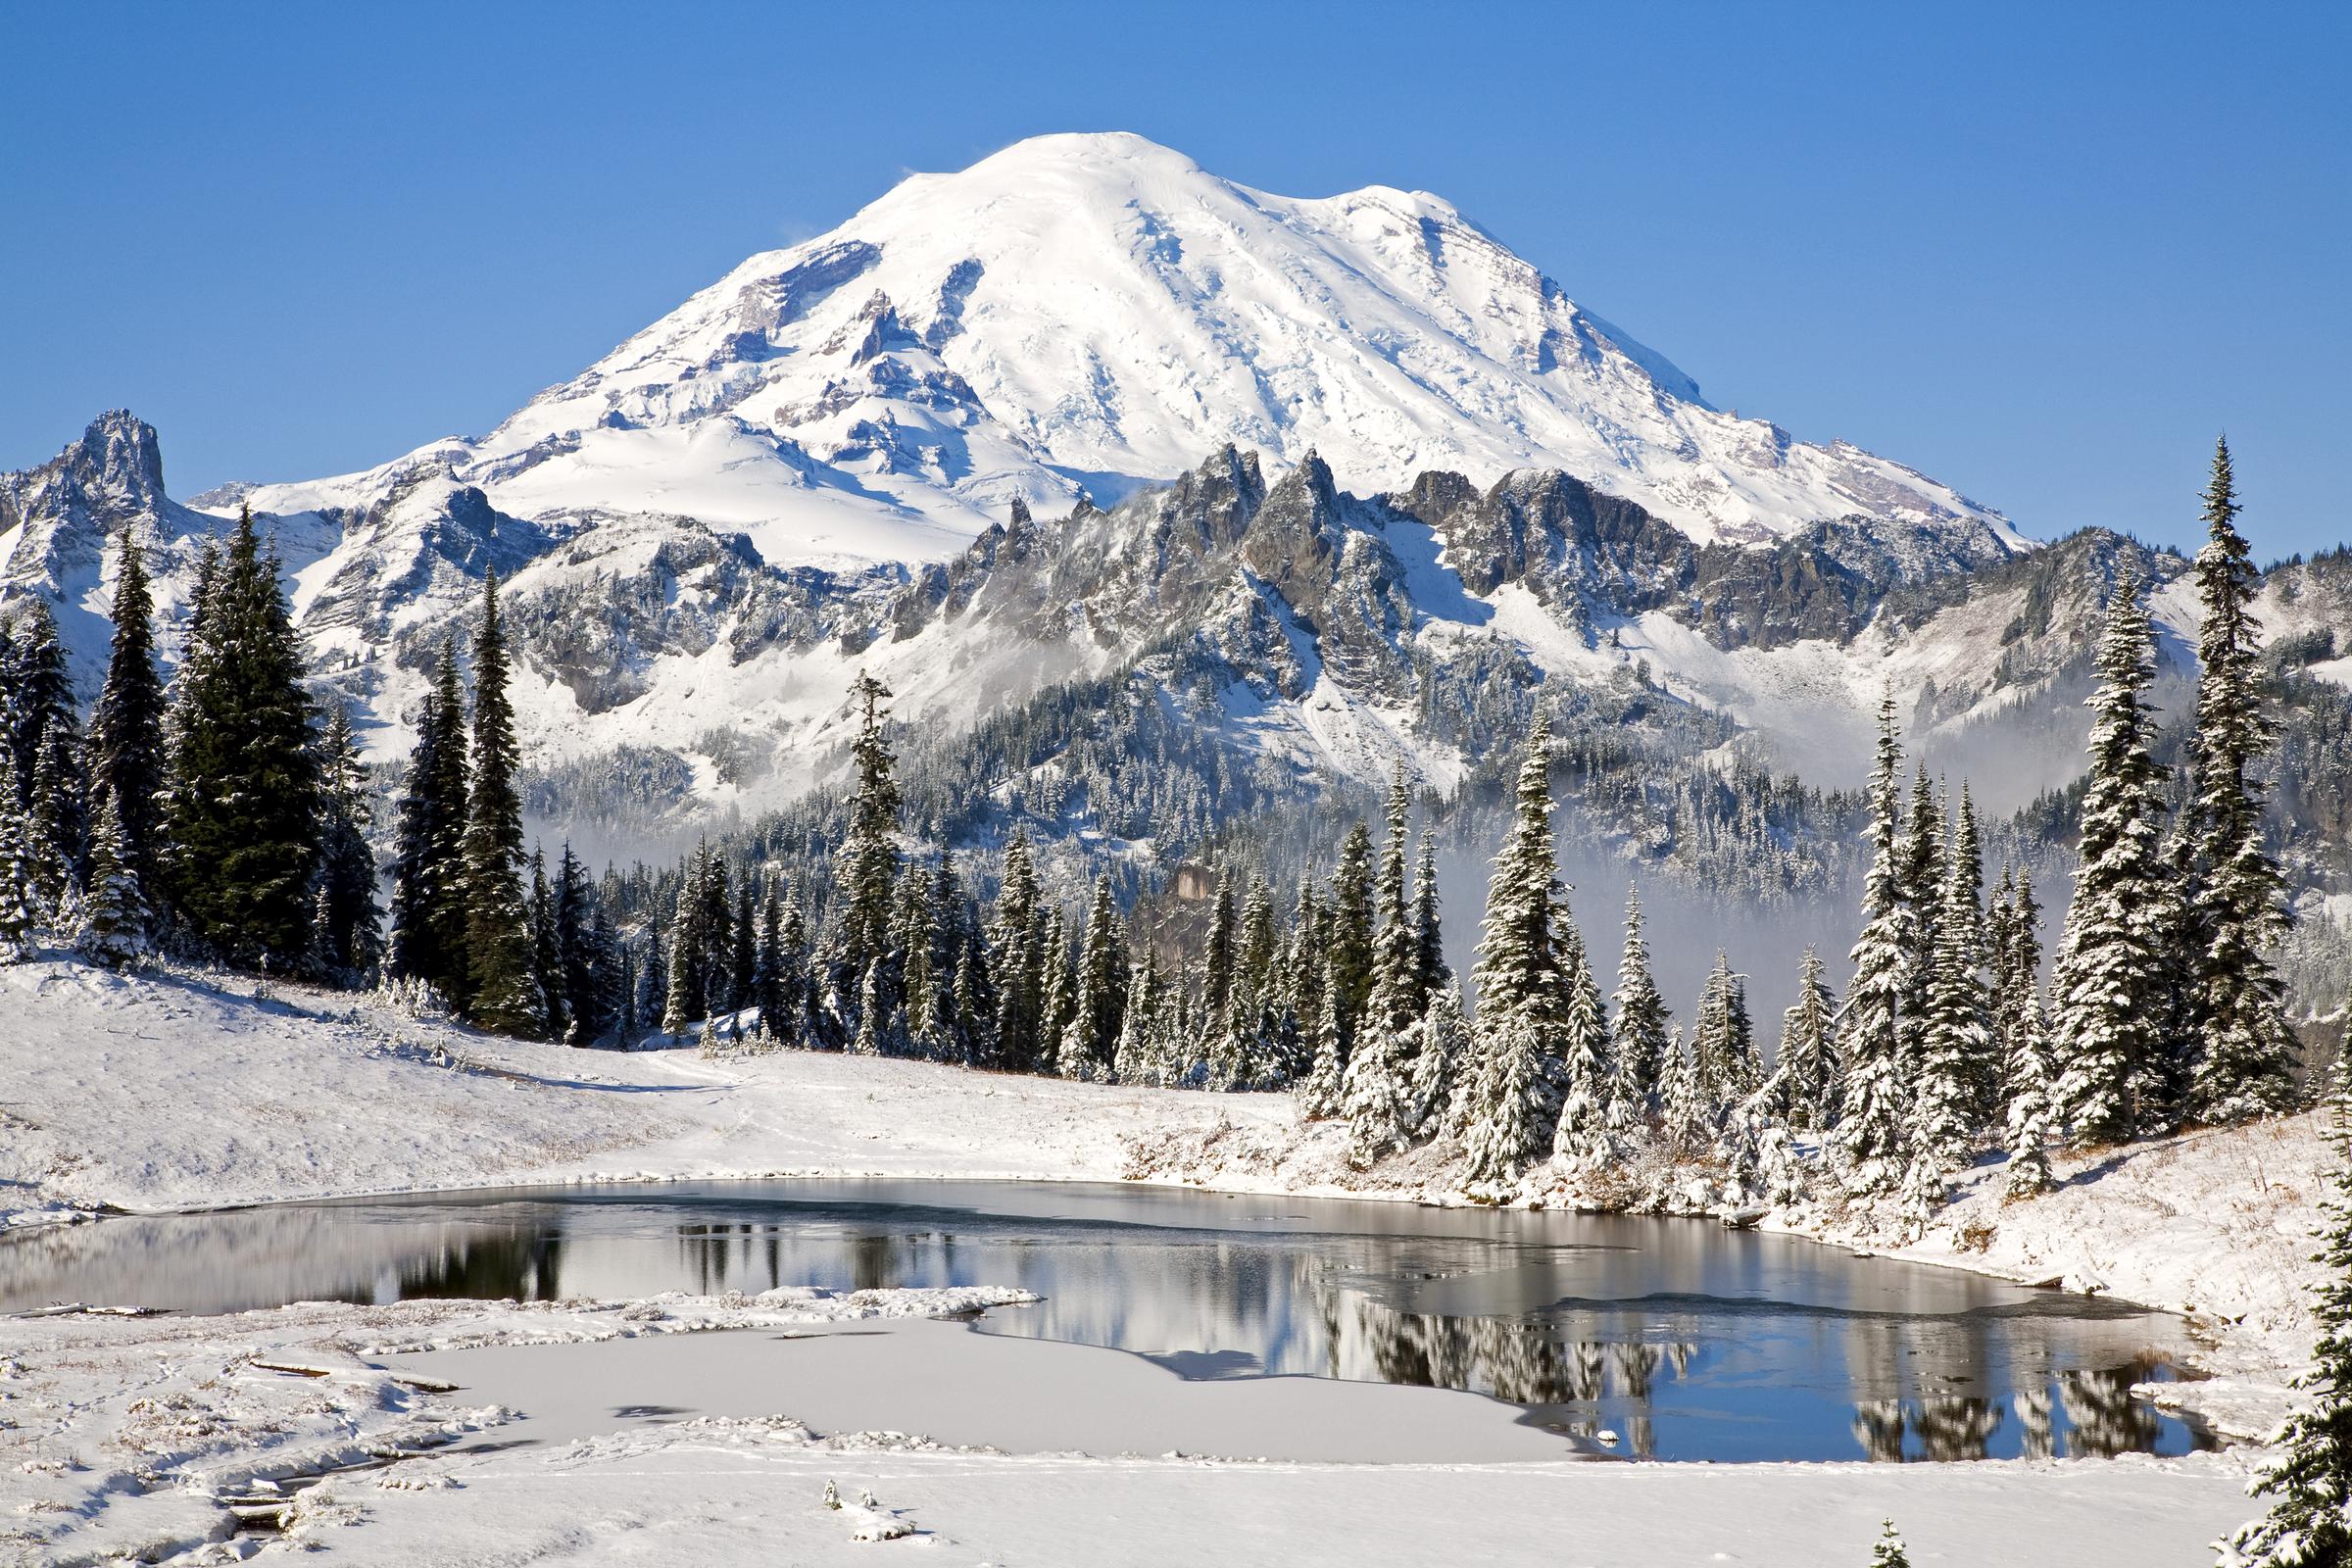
1079,315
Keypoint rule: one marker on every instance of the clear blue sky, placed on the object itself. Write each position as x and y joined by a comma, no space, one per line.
2043,254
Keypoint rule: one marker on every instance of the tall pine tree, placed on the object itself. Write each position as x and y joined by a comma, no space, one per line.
126,728
1871,1144
501,956
2244,1050
242,816
2107,1001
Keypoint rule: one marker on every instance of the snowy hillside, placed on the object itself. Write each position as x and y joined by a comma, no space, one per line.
1082,314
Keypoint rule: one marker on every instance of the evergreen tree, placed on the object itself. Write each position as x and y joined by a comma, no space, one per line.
682,999
1949,1077
2309,1482
867,868
1522,990
348,929
2107,999
127,729
1807,1059
1060,986
1889,1552
1136,1058
920,987
1871,1143
428,879
61,815
1376,1091
1217,953
20,902
1324,1092
613,975
1639,1030
2028,1128
1351,930
771,982
1443,1064
502,979
871,1013
743,933
242,823
1431,974
576,957
1100,1003
547,953
1593,1117
1723,1039
1920,892
114,923
2245,1049
651,1004
1018,963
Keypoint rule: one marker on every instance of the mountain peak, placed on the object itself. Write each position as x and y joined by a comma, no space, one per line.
1080,314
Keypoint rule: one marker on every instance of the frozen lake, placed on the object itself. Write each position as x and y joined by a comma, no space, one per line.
1678,1339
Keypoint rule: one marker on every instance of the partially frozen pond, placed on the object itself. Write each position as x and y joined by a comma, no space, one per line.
1679,1337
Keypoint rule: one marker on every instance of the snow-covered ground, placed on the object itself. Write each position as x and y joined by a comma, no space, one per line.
170,1090
179,1091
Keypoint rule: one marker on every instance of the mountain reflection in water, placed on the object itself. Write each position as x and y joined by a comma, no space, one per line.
1656,1338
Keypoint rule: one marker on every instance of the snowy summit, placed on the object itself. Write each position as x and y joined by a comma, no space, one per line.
1084,314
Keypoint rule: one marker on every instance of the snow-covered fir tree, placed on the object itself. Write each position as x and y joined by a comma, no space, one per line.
2108,998
19,902
1805,1066
1323,1094
1723,1038
1871,1144
1922,889
1442,1066
1375,1091
1091,1038
2309,1482
1951,1071
1638,1029
681,995
2243,1048
1522,991
1136,1058
1351,930
43,735
1594,1118
866,866
1889,1551
1020,959
114,910
2029,1116
1429,935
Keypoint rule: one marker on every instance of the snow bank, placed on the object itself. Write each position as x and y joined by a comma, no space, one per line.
175,1090
146,1436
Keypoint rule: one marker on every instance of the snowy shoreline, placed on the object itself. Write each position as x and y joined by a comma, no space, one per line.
294,1096
308,1097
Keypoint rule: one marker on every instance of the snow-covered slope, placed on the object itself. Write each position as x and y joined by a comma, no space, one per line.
1080,314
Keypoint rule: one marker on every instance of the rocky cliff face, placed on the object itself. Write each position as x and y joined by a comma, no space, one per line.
670,665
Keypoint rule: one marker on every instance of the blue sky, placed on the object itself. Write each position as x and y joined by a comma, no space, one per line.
2041,253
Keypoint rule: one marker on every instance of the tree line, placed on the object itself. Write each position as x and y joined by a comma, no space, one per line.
229,814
